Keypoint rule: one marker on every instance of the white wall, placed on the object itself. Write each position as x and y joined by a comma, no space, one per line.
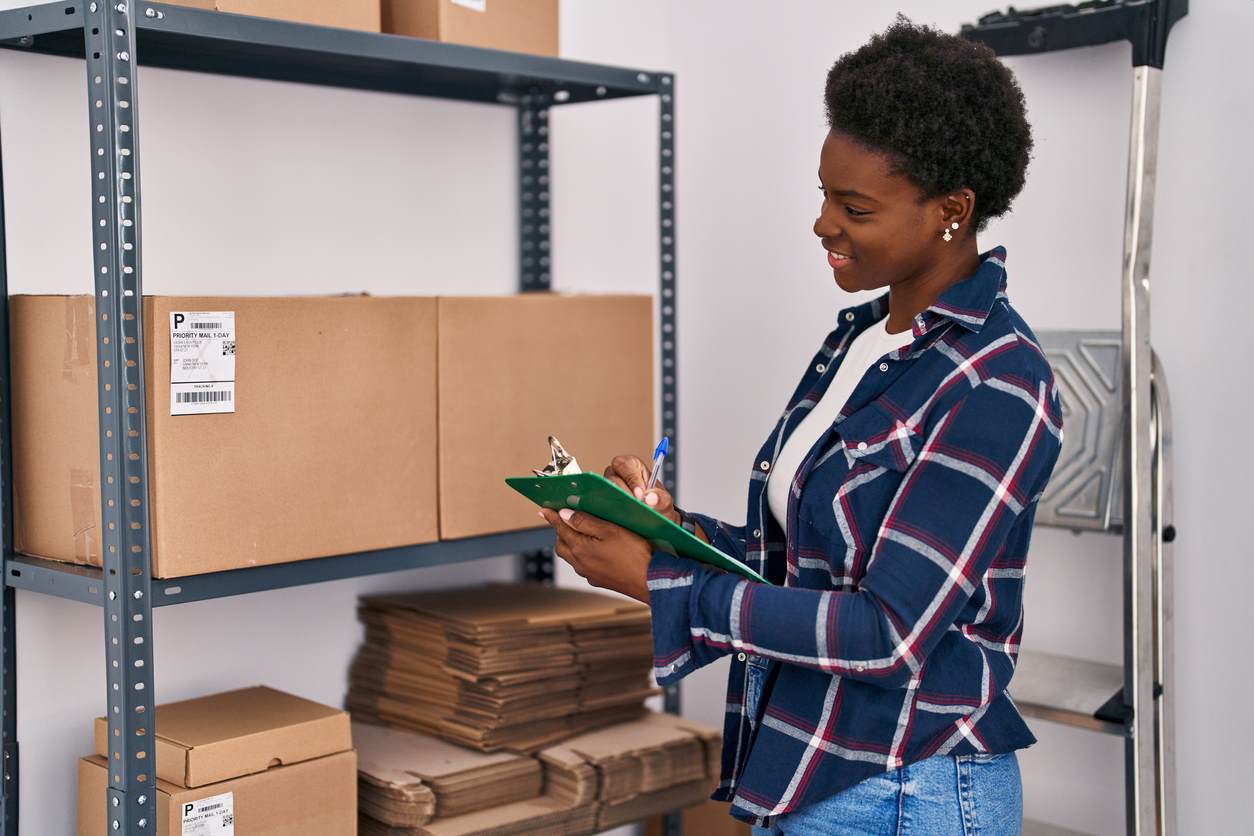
258,187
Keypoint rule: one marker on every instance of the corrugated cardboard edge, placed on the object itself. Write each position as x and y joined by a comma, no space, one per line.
179,763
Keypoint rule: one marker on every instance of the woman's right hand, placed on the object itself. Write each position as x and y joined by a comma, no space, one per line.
632,475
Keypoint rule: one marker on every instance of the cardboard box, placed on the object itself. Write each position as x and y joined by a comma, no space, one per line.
342,14
512,25
311,798
216,738
331,449
515,370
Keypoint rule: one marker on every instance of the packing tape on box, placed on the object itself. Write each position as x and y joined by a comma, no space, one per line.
83,508
78,309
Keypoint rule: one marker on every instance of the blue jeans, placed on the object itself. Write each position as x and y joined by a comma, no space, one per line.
946,795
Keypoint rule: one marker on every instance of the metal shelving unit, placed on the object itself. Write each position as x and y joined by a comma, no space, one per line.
1114,474
114,37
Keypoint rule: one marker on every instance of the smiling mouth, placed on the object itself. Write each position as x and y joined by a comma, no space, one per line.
838,260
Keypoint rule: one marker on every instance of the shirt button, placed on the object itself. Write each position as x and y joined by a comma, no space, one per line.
757,532
820,368
765,465
740,657
883,367
849,316
859,668
861,445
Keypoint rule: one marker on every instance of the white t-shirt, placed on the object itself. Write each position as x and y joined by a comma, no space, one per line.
865,351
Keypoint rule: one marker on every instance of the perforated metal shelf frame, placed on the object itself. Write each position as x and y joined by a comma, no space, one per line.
112,37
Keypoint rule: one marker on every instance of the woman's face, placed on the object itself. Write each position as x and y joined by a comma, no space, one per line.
875,230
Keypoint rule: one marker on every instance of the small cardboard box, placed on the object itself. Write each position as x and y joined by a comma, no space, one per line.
342,14
262,761
312,798
331,448
514,370
530,26
216,738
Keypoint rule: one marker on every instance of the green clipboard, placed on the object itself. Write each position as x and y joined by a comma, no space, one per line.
600,497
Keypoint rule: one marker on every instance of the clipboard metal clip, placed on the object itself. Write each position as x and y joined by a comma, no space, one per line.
561,463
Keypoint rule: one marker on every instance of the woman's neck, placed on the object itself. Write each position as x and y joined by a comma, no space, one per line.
912,296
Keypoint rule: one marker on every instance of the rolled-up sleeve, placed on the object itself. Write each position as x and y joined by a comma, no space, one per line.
977,476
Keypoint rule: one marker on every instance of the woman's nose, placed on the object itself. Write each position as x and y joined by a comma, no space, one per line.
825,228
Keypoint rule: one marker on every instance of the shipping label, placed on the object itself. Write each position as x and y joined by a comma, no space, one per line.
213,816
202,362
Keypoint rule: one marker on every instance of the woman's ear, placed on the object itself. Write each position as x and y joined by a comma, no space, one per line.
958,208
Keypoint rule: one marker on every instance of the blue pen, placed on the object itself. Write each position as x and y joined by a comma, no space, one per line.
658,455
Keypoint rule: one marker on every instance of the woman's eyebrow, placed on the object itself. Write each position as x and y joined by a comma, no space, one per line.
851,193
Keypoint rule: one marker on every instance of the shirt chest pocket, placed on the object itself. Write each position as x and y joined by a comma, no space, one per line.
874,436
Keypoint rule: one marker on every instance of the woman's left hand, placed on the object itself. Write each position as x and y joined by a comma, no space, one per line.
606,555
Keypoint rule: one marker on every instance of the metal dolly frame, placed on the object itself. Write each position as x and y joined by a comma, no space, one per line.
113,36
1114,476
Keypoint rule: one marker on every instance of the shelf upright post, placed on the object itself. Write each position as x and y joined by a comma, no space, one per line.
109,30
672,823
667,299
8,597
534,241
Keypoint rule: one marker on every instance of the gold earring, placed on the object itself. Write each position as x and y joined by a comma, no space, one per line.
947,236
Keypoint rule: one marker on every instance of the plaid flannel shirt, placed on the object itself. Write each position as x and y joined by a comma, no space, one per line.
892,622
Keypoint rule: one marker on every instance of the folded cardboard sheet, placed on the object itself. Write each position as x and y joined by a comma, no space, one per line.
502,666
407,779
655,764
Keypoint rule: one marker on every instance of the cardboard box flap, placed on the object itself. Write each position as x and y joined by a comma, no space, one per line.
223,736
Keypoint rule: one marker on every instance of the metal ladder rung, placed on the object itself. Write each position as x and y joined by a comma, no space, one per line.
1065,690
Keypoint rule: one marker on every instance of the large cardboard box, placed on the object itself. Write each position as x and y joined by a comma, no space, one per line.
343,14
331,447
513,25
266,762
515,370
311,798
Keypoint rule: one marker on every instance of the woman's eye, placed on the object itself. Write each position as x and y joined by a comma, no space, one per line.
854,213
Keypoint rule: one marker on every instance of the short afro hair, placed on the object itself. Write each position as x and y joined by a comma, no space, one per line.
944,110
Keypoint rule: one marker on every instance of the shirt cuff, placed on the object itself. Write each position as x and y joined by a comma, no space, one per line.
670,586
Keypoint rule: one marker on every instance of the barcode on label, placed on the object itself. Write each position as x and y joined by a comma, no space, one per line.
210,808
206,326
202,397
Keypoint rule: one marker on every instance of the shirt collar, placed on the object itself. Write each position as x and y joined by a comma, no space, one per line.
967,303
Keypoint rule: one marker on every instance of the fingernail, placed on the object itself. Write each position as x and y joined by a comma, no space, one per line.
566,514
540,514
651,499
639,492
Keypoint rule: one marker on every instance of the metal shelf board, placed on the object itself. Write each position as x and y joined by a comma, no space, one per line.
1066,690
182,38
84,583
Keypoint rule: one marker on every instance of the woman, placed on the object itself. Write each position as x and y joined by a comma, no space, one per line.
892,505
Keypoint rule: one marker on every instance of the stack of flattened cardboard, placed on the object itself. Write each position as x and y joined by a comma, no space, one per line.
406,779
502,666
651,765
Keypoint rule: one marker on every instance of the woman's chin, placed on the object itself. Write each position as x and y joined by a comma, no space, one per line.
846,282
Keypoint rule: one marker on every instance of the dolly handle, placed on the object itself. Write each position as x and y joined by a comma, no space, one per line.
1144,23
